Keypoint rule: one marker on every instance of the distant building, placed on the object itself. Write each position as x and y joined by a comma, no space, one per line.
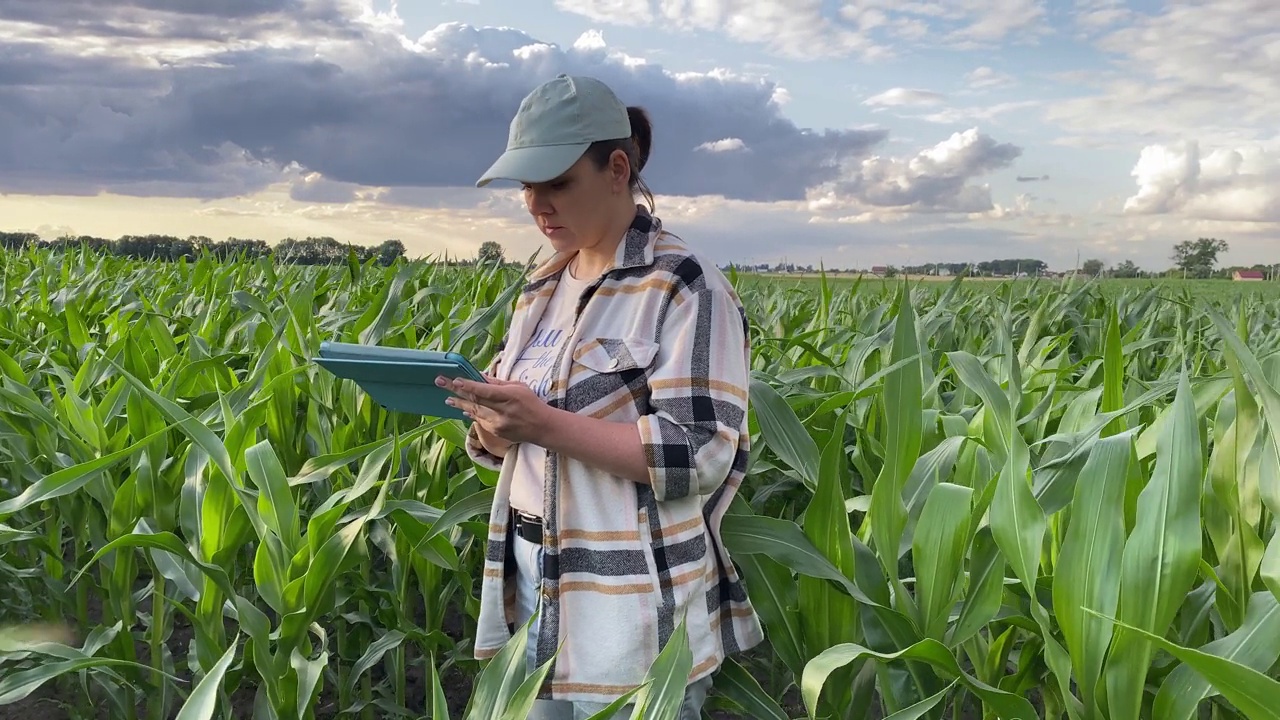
1248,275
880,270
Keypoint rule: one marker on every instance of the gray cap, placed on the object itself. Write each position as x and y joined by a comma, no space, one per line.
555,124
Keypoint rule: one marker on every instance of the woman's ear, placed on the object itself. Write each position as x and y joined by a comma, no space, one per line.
619,171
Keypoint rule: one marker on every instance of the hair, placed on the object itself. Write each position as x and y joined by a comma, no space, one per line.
636,147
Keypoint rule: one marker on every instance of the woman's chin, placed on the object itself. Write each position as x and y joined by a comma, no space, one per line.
561,240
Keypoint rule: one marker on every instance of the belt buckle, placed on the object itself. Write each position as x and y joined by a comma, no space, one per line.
524,520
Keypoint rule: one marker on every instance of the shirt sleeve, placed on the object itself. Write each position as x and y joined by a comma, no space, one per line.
475,449
698,389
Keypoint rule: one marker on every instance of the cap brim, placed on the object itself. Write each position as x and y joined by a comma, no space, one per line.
533,164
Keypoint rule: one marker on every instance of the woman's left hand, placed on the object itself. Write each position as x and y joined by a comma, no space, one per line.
507,409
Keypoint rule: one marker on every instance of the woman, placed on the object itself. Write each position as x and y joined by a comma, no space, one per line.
616,414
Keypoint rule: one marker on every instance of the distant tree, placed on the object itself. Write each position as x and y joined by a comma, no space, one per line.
1198,258
1093,267
389,251
1126,269
245,248
1010,266
491,252
17,240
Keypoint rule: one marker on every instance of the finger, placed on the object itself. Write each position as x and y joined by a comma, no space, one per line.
486,393
468,408
493,380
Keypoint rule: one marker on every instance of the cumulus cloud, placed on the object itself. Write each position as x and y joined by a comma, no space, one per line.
725,145
937,179
1228,184
897,97
808,29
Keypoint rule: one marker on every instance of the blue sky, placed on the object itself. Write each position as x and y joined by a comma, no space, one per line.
848,132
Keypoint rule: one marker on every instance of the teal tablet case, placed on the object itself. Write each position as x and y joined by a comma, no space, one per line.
400,379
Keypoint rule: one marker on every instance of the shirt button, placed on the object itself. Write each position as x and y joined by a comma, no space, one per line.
613,363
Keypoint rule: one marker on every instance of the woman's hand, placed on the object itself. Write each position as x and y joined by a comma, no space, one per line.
507,410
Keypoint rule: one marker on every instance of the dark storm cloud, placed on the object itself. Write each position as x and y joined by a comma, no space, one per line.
366,110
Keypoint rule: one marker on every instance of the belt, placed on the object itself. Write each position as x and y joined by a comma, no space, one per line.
527,526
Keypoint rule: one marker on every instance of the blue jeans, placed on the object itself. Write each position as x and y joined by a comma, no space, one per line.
529,563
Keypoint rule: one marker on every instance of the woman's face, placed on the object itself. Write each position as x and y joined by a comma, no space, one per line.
577,209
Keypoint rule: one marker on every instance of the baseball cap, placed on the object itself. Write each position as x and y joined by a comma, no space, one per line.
554,125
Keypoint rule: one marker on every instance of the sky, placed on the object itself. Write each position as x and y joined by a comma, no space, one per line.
846,133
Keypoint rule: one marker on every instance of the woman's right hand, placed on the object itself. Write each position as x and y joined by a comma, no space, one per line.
492,443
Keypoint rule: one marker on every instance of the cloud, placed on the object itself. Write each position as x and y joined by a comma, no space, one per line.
984,77
809,29
937,179
1176,72
94,23
1096,15
1228,184
366,106
368,118
952,116
897,97
725,145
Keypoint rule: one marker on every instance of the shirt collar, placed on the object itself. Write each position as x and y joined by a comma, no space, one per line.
635,250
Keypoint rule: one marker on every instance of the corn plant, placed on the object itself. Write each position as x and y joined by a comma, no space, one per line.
965,499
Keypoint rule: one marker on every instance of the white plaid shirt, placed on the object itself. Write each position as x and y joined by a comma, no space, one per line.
660,341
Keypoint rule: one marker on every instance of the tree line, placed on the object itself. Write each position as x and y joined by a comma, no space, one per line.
307,251
1191,259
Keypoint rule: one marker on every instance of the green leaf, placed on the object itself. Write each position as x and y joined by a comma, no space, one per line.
275,501
69,480
203,700
666,683
737,685
1088,570
901,401
501,676
1160,557
1008,705
938,555
783,432
1017,521
1256,645
1255,694
785,542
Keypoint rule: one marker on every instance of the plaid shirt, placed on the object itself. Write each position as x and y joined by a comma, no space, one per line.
660,341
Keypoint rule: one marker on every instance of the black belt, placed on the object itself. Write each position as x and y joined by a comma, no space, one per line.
527,526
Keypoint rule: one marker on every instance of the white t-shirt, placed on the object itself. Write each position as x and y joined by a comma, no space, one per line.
535,367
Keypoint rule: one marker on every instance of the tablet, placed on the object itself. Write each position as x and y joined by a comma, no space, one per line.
401,379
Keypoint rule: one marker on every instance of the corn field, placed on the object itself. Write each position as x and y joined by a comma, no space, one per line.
1026,500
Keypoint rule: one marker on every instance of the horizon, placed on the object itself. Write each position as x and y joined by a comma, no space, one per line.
782,266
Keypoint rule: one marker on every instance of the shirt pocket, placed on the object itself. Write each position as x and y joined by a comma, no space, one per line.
612,355
610,375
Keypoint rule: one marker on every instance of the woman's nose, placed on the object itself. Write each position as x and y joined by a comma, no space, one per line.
538,203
